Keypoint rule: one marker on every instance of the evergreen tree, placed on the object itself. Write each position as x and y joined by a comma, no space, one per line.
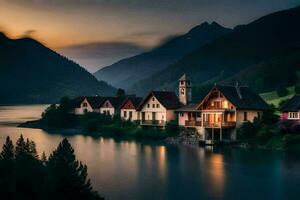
67,177
8,152
21,147
31,148
7,175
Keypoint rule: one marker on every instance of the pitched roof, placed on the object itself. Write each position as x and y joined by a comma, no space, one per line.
135,101
95,101
169,100
242,97
77,101
116,102
184,77
188,108
292,105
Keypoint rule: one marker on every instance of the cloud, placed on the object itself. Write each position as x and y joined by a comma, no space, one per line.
29,33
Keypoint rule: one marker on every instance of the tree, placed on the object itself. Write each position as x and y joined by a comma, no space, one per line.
8,151
120,92
67,177
7,175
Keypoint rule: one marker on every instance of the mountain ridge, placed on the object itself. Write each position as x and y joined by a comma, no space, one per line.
32,73
126,72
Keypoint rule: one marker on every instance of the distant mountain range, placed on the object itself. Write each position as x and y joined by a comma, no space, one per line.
263,54
129,71
33,73
99,54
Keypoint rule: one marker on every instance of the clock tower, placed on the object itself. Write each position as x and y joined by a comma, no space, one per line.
185,90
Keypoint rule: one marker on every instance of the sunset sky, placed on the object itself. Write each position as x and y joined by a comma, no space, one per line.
141,23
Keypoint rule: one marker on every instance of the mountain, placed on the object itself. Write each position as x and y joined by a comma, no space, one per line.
95,54
33,73
128,71
261,42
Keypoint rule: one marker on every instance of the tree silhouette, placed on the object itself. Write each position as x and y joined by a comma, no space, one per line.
7,175
67,178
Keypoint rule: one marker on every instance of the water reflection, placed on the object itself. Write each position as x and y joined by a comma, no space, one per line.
130,170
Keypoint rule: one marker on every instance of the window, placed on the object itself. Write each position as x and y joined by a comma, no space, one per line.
245,116
181,114
153,99
293,115
130,114
182,91
108,112
125,114
157,105
84,104
106,104
181,83
153,105
148,105
188,82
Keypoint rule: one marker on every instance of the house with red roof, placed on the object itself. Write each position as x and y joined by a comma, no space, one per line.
128,110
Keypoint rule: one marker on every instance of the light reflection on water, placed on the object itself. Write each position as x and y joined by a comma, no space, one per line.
131,170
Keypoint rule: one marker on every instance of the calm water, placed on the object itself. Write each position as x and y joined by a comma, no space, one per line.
129,170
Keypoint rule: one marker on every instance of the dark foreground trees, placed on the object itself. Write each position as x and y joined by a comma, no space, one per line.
24,176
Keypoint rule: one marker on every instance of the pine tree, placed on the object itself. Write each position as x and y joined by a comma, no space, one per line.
7,170
31,148
21,147
67,178
8,152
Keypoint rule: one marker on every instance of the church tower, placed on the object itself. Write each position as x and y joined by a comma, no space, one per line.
185,90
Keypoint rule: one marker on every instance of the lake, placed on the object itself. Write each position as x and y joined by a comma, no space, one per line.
131,170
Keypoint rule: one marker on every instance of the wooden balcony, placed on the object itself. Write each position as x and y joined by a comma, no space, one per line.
193,123
219,124
153,122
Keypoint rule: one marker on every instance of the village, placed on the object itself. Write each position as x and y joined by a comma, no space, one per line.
217,117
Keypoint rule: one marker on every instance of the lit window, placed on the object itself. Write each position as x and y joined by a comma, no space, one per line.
225,105
182,91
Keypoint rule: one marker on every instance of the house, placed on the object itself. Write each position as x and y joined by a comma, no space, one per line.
290,114
111,105
157,108
223,111
129,109
83,105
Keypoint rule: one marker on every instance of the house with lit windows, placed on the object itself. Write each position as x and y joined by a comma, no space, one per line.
128,109
290,114
224,109
158,108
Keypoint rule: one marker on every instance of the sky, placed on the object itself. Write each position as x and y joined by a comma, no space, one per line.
70,26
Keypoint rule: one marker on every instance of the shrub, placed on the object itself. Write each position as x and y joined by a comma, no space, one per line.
292,143
172,129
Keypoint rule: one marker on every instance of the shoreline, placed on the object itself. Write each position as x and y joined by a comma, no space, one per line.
183,140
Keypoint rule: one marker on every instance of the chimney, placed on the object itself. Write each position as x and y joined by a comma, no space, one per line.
238,91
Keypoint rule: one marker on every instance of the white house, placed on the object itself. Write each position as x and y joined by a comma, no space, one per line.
111,105
83,105
129,109
158,108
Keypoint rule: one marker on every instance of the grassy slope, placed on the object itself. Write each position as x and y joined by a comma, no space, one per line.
272,97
